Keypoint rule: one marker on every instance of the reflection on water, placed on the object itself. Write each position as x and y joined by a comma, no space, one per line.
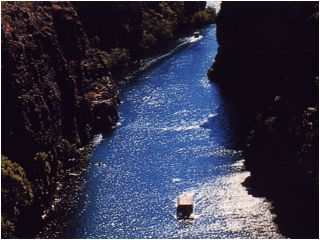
225,210
174,137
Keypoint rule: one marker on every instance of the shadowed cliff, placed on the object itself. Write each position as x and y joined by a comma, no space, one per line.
267,64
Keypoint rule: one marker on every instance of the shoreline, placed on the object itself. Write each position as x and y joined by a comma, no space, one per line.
71,186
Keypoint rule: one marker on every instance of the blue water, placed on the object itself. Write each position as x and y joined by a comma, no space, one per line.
174,137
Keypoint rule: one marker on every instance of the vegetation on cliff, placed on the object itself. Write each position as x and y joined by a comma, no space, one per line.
268,62
16,193
59,90
142,25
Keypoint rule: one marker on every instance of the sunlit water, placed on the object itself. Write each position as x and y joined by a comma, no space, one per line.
173,137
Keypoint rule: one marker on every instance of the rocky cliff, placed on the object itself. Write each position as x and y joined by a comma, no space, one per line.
58,88
57,92
267,63
142,26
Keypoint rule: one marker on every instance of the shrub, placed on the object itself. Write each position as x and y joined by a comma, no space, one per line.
158,26
148,40
203,17
117,59
67,151
7,228
16,191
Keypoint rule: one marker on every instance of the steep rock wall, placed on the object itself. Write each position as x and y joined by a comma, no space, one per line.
57,89
56,92
267,63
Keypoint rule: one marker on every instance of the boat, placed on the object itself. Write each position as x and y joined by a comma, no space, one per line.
185,207
196,34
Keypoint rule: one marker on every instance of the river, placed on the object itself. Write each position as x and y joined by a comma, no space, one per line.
174,136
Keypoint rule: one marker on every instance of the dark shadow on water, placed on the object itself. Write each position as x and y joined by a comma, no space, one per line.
297,211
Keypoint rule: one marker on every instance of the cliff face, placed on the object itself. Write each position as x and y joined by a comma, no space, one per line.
142,25
57,88
258,39
57,91
267,62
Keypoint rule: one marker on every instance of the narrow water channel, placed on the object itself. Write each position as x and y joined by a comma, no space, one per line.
174,137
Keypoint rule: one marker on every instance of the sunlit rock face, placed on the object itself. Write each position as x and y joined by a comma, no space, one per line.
268,62
47,73
58,90
50,76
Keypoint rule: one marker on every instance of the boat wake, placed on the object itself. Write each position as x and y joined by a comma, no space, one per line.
190,125
195,39
184,42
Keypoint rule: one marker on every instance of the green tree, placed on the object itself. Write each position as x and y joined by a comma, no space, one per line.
203,17
16,194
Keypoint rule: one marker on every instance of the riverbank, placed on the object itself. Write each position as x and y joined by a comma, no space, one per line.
59,92
70,192
174,136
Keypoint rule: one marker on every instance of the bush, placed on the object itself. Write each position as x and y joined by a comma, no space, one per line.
42,160
67,151
203,17
148,40
117,59
158,26
7,228
16,191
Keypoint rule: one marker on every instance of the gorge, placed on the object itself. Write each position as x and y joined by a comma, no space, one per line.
90,150
59,88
